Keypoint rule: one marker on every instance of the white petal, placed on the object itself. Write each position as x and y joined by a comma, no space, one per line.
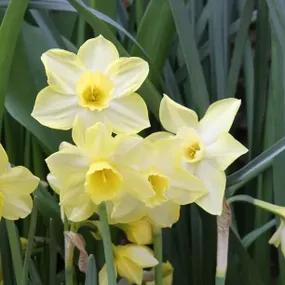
63,69
127,114
98,53
128,74
215,182
218,119
55,110
174,116
225,150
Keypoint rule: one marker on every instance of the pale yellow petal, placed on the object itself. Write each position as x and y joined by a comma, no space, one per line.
76,204
225,150
63,69
138,232
164,215
136,184
127,114
141,255
53,183
185,187
69,166
55,110
103,276
4,161
173,116
98,53
18,181
128,74
16,207
98,141
158,136
129,270
126,209
215,182
218,119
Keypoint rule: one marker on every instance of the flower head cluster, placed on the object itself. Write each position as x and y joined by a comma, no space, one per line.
142,181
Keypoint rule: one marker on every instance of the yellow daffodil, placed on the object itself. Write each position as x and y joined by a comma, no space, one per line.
138,232
95,85
94,171
167,274
173,186
204,147
130,260
16,185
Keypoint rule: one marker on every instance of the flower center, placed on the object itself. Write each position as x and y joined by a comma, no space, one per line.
1,204
159,184
103,182
193,152
94,90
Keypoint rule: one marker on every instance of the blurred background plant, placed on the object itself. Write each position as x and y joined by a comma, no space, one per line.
199,51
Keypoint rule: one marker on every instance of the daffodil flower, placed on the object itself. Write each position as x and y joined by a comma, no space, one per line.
16,185
173,185
130,260
204,147
167,274
95,85
138,232
94,171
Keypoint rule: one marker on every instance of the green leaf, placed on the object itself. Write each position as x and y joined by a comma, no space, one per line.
21,96
256,233
157,40
191,57
12,21
254,167
91,274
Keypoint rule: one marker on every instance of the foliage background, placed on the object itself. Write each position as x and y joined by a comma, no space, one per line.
199,51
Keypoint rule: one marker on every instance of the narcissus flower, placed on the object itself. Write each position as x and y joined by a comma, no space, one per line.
167,274
94,171
16,185
95,85
173,185
138,232
130,260
204,147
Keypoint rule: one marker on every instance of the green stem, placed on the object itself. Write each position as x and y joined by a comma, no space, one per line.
277,210
220,280
107,242
157,244
32,230
15,250
69,252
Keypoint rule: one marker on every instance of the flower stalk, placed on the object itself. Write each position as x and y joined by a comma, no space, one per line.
223,227
15,250
107,243
157,244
